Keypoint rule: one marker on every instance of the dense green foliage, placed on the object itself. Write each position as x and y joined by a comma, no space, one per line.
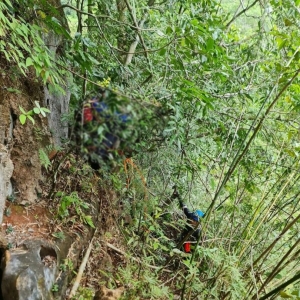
216,106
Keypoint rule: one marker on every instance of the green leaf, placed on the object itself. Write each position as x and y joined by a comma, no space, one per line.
131,240
280,42
9,3
31,119
100,130
162,52
37,104
88,220
160,33
59,194
12,90
155,245
169,30
288,22
194,22
22,110
296,293
210,44
45,109
44,159
36,110
248,96
29,62
285,295
22,119
7,56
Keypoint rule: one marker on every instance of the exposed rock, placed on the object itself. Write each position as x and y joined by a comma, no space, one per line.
58,104
6,171
3,241
27,286
25,275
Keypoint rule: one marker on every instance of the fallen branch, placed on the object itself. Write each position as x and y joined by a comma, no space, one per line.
81,269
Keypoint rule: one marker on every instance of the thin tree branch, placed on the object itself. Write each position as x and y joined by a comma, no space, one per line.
241,12
109,44
106,17
139,38
144,104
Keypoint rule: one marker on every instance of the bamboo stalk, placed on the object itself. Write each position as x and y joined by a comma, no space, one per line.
275,270
270,247
281,287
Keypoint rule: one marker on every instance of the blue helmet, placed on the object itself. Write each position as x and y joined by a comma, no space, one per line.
197,214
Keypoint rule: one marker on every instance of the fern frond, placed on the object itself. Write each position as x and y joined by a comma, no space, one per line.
44,159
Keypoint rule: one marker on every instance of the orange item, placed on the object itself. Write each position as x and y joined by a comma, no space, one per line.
187,247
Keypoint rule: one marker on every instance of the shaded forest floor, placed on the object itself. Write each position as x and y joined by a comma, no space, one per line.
78,206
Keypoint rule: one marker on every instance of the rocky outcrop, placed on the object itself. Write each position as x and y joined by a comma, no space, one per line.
39,269
58,104
56,101
29,272
6,171
6,165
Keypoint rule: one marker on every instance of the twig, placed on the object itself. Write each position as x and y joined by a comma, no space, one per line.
240,13
82,268
118,93
106,17
145,51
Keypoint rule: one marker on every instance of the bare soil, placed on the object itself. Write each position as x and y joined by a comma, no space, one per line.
21,223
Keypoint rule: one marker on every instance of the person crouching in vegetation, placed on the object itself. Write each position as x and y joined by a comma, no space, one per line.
193,218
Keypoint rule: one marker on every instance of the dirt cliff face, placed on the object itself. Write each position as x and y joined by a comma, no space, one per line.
21,142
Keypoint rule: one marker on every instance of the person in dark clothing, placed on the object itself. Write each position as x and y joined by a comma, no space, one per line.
102,128
193,218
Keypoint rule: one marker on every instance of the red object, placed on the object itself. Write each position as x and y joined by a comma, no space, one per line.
187,247
87,114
